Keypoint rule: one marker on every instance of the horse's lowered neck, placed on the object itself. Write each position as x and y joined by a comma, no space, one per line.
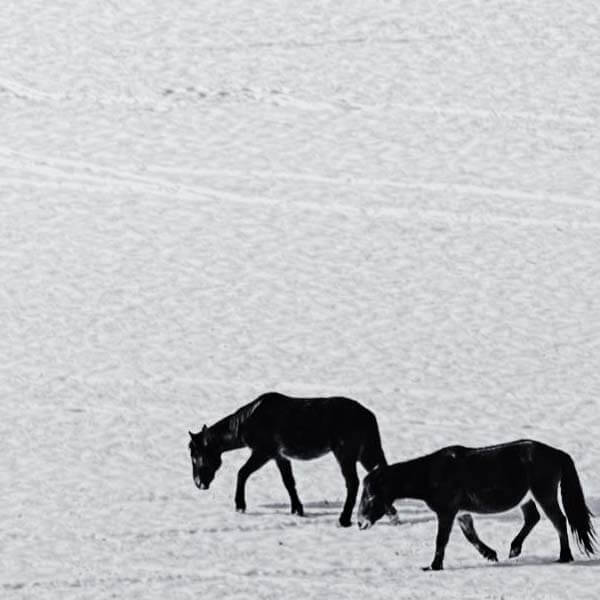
409,480
225,434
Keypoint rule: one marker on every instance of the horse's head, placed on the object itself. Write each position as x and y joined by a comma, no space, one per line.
372,502
206,458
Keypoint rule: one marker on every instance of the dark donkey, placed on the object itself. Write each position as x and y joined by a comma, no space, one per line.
279,427
486,480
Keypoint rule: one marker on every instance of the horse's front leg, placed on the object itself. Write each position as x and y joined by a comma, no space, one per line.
256,461
285,468
468,528
445,521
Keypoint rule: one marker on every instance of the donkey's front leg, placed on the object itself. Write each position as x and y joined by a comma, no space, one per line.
256,461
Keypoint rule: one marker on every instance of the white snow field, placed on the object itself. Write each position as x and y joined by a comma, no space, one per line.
203,201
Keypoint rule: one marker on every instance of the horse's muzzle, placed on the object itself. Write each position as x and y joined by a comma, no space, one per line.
364,524
200,485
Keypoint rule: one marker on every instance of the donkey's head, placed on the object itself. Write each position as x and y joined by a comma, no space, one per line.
372,502
206,458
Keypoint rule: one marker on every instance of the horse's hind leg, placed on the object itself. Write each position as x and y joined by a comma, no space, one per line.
285,468
547,499
531,516
255,462
468,528
348,466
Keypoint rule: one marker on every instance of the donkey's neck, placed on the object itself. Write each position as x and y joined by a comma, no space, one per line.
409,479
225,434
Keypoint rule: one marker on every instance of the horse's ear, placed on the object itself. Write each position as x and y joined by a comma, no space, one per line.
191,434
376,473
204,434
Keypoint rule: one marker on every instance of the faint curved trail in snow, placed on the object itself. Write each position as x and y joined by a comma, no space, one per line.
163,100
59,173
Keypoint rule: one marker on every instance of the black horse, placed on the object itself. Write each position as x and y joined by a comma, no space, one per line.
486,480
279,427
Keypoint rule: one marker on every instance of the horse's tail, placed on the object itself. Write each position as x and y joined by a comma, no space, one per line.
578,514
371,451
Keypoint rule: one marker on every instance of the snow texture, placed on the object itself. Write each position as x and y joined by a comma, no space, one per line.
204,201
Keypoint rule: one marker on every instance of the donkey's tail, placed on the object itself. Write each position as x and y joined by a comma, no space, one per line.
578,514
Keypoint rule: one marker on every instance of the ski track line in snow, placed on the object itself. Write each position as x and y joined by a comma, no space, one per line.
44,165
26,92
239,45
112,581
404,214
337,103
281,98
477,113
195,193
95,582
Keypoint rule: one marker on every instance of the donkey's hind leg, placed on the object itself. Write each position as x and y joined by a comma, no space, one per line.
285,468
531,516
468,528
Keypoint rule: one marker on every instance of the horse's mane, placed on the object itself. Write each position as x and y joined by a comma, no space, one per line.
241,415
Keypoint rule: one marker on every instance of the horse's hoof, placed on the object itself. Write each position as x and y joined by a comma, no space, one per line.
298,510
514,551
344,522
395,520
491,555
240,509
433,568
565,559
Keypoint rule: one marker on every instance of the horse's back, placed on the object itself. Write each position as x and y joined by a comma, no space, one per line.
309,427
339,408
496,478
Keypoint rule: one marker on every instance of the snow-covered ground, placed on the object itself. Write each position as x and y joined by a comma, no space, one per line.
203,201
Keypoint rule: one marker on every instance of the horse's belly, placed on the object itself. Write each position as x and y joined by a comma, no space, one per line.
299,453
492,500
